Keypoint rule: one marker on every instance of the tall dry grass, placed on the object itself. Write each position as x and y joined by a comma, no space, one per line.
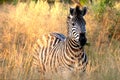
22,24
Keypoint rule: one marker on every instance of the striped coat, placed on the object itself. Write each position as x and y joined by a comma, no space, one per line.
56,53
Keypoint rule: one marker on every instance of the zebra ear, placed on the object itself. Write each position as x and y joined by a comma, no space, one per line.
84,11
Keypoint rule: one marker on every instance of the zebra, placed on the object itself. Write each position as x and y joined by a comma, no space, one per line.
56,53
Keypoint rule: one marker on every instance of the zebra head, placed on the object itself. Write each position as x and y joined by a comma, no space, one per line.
76,25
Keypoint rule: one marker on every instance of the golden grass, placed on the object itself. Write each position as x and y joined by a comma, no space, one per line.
22,24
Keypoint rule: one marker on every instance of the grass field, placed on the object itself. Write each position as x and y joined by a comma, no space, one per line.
22,24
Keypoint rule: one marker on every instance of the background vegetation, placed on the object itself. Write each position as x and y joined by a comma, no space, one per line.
22,23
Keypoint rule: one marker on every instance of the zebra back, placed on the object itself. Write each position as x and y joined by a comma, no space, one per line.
43,47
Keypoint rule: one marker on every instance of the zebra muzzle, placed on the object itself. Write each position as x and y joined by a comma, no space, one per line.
82,39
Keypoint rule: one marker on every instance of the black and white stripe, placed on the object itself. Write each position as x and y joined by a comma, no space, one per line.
57,53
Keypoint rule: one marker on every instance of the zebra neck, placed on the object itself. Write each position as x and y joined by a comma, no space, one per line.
73,46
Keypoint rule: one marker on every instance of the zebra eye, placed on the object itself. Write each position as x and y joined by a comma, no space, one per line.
68,17
73,24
